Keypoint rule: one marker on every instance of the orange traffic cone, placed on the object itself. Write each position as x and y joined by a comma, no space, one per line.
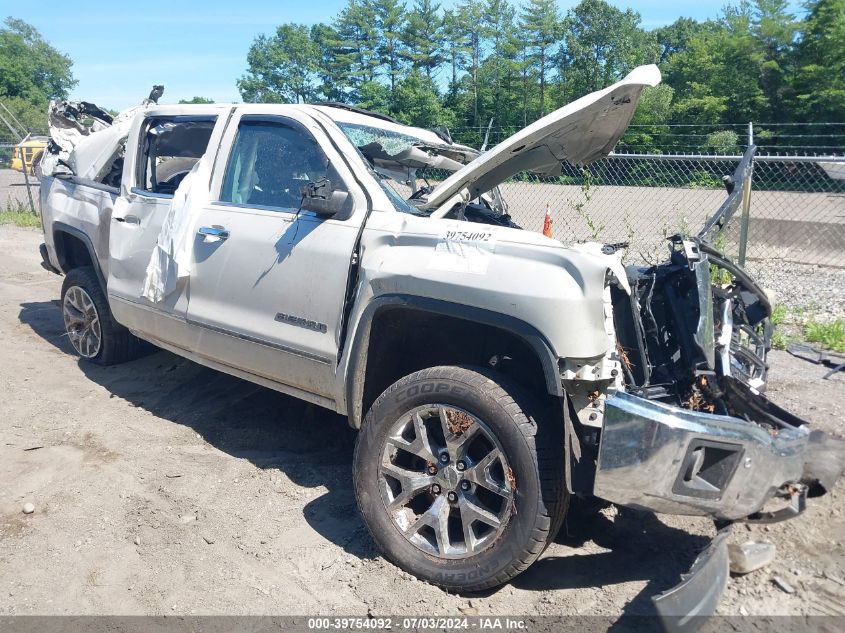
547,222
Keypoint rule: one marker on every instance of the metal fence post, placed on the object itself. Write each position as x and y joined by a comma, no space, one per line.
750,134
26,180
746,216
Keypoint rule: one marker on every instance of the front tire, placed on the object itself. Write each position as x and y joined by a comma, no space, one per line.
457,480
89,324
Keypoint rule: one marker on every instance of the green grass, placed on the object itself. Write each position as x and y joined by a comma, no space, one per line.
784,326
778,315
804,325
20,218
19,214
781,340
829,334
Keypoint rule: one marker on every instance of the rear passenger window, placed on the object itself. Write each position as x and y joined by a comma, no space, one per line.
270,163
171,148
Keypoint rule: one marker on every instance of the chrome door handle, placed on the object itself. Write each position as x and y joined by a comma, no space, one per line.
215,231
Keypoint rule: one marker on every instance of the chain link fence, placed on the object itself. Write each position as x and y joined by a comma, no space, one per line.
12,132
797,204
668,179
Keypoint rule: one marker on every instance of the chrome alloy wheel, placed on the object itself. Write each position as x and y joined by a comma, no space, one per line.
82,323
445,481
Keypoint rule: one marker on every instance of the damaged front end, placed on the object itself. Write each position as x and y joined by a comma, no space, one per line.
691,432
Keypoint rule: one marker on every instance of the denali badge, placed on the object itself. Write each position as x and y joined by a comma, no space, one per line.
281,317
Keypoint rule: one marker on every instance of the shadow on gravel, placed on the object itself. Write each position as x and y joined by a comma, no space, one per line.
314,447
641,548
310,445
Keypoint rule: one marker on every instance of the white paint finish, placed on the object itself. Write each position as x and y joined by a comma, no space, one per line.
274,261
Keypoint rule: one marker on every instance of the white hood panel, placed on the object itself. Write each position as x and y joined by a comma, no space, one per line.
580,132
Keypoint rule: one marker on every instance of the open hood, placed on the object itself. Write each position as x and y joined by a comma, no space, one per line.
580,132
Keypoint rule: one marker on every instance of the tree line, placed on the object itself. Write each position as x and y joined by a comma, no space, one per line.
31,73
493,59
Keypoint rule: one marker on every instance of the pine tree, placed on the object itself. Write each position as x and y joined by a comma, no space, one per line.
423,37
541,27
390,24
334,84
357,51
468,20
818,92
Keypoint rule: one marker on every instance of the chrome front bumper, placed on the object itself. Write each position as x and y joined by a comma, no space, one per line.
656,457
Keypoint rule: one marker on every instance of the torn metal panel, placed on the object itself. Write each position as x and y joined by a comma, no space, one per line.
94,156
86,140
71,120
685,607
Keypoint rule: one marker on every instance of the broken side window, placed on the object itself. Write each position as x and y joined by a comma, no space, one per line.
170,148
270,163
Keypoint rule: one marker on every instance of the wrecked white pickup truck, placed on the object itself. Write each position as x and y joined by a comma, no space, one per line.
492,372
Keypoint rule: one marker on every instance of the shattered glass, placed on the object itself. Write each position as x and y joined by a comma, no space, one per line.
392,142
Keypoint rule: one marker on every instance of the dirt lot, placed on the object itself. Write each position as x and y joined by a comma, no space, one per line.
162,487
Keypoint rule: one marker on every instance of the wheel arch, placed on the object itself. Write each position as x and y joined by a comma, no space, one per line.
74,249
362,385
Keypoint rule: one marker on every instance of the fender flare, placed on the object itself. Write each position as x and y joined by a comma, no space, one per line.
61,227
358,350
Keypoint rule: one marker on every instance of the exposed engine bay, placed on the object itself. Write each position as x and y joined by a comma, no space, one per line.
692,330
694,333
695,330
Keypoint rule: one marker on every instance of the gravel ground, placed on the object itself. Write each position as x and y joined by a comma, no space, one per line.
162,487
817,290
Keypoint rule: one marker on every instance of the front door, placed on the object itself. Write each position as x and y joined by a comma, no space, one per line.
268,284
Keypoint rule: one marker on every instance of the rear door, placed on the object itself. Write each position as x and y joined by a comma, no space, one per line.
269,282
169,144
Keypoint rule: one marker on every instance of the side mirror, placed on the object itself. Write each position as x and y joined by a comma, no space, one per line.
320,197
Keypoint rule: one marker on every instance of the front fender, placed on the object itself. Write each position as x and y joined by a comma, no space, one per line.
548,295
558,290
356,367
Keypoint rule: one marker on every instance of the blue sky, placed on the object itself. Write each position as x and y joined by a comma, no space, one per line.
200,48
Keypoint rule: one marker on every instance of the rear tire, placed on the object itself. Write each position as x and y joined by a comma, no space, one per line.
418,496
89,324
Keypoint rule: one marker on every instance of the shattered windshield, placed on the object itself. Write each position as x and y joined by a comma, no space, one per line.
391,142
400,161
398,201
